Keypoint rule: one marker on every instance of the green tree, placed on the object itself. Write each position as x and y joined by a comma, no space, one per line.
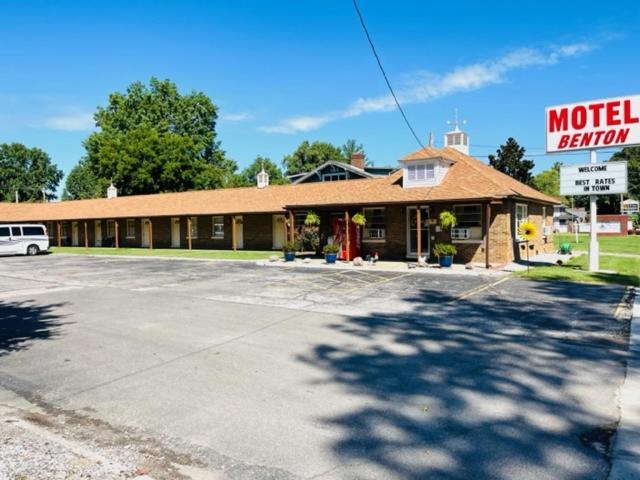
27,171
247,178
509,159
80,183
632,156
350,147
548,181
154,139
311,155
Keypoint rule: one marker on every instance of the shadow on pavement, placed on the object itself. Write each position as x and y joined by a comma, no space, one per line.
24,322
508,384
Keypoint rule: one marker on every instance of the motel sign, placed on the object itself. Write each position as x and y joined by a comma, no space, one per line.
594,179
611,122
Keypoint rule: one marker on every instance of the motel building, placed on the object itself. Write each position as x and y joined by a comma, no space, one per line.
401,207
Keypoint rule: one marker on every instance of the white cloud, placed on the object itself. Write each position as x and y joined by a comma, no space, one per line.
425,87
70,122
236,117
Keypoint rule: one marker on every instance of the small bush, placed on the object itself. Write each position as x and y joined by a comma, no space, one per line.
291,247
331,248
444,249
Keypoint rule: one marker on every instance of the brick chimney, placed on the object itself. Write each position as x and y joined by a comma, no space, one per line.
357,160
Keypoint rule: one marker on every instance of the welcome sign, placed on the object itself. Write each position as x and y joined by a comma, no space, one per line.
611,122
593,179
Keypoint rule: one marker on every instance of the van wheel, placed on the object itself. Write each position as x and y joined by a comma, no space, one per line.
33,250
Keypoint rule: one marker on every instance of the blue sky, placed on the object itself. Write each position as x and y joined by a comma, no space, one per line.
285,71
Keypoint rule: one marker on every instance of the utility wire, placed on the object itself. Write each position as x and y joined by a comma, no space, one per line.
384,74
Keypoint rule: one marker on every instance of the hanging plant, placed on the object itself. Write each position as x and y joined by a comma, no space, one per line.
447,219
359,219
312,218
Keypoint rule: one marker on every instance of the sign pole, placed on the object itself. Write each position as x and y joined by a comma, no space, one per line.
594,254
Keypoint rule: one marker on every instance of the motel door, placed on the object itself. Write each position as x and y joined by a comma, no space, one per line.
74,234
278,225
239,232
175,232
412,232
98,235
145,232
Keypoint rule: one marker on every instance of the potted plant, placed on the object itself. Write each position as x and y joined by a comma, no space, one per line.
445,253
359,219
447,219
289,249
330,251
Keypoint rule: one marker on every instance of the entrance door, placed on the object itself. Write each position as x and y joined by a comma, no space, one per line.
74,234
239,232
412,232
145,232
278,231
98,234
175,232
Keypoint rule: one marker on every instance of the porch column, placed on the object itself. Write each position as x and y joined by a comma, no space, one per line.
189,232
292,226
150,235
487,226
59,235
234,238
348,243
419,231
86,235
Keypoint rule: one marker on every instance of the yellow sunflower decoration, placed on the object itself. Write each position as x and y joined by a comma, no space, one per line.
527,231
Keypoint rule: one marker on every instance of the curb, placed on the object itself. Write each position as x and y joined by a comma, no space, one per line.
625,453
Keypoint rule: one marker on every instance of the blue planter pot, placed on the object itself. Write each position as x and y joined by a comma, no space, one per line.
330,257
445,260
289,256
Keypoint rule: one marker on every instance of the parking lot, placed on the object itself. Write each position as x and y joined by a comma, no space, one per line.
252,372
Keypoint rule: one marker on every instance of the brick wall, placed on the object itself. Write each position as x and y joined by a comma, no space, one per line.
542,243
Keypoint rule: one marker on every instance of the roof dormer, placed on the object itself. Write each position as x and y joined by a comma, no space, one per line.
423,172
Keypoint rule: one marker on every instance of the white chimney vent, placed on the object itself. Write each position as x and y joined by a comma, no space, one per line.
112,192
263,178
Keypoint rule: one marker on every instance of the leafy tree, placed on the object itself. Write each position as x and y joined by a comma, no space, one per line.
632,156
311,155
27,171
548,181
509,159
247,178
154,139
81,183
350,147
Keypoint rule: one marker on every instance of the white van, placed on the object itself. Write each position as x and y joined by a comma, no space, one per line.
23,239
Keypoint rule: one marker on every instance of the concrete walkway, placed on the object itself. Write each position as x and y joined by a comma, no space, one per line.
625,455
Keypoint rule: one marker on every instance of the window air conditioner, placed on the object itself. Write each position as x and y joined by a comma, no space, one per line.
460,234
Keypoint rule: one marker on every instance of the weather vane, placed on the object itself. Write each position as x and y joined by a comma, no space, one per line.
455,122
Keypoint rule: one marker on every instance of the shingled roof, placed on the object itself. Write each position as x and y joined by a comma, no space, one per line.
468,179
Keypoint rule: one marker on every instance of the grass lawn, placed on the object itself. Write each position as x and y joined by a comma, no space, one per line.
168,252
628,244
627,271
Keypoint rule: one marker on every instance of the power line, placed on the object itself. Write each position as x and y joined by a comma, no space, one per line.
384,74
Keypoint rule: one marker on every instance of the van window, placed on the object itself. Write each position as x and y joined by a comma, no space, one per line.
32,231
4,231
15,232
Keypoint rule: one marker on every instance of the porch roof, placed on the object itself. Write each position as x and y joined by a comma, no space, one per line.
468,179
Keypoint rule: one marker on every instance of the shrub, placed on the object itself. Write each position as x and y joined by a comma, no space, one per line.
447,219
444,249
331,248
291,247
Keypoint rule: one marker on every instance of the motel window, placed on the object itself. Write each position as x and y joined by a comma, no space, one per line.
522,215
468,223
64,228
218,227
375,228
194,227
131,228
111,228
330,177
421,172
50,229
